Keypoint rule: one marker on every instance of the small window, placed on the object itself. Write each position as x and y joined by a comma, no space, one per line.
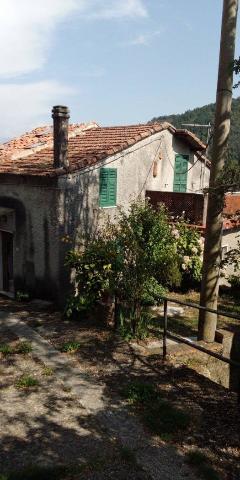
108,187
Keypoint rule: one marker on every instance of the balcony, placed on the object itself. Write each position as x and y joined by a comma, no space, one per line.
189,206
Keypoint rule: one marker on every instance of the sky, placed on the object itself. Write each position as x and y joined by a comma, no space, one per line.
111,61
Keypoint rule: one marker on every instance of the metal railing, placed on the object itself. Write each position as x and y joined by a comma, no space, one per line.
167,334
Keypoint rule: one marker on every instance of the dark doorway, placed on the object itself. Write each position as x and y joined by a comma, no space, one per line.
7,261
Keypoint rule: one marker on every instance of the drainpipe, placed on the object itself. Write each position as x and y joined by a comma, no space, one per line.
60,115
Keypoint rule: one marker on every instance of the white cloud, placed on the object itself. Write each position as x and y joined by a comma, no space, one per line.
29,105
144,39
25,34
116,9
27,27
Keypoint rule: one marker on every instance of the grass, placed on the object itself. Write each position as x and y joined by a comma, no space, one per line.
26,382
70,347
5,349
160,416
187,324
47,372
202,465
23,347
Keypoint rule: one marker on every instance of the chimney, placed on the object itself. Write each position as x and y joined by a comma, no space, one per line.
60,115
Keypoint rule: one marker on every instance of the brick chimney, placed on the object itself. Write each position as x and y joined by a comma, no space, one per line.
60,115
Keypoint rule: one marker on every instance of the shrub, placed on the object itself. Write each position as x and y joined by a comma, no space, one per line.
134,259
190,246
234,281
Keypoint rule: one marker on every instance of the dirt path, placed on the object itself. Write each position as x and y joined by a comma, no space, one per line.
60,416
112,364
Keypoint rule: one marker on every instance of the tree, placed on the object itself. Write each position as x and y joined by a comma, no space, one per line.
212,247
132,259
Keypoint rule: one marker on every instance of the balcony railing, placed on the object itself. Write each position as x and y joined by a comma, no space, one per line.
189,206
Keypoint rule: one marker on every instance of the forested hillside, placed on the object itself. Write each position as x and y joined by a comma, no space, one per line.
204,115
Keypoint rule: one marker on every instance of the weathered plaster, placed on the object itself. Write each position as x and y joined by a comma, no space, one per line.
55,215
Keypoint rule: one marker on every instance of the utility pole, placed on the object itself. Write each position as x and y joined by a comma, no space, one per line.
212,248
199,125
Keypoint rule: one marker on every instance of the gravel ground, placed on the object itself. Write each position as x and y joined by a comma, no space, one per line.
46,425
215,429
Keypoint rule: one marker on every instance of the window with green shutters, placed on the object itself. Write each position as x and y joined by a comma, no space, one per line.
180,173
108,187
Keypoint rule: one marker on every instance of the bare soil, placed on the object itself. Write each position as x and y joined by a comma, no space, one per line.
56,424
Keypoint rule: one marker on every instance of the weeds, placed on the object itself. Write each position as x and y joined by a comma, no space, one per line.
24,348
161,417
21,347
5,349
26,382
70,347
47,372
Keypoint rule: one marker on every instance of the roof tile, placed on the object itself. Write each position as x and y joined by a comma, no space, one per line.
32,153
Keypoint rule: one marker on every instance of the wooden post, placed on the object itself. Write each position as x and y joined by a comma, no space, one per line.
212,246
165,330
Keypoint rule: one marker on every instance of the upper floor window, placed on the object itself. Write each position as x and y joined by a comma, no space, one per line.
180,173
108,187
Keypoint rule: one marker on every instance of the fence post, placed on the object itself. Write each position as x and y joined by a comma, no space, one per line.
165,330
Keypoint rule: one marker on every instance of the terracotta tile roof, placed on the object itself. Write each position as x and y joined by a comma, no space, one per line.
32,154
38,139
231,211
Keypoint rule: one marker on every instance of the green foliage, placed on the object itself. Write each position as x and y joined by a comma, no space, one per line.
23,347
135,259
201,463
127,321
22,296
153,292
94,273
236,69
132,259
234,281
48,371
6,349
161,417
26,381
190,249
204,115
70,347
232,258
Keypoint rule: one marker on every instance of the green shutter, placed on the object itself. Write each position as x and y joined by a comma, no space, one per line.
180,173
108,187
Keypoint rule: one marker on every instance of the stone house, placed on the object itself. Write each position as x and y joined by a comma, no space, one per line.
57,184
